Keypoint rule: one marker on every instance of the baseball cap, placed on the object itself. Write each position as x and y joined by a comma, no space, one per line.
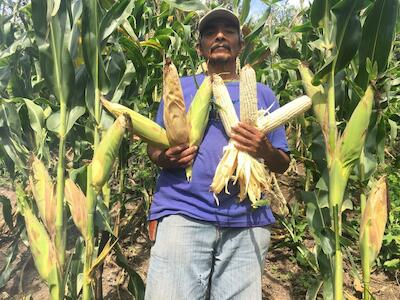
218,13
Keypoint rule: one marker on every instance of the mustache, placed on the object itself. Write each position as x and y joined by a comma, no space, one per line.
226,46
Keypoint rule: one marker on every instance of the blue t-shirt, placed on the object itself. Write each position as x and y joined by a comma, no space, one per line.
175,195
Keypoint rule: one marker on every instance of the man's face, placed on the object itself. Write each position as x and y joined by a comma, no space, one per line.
220,42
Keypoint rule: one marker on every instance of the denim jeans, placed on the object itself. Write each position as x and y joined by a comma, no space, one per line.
193,260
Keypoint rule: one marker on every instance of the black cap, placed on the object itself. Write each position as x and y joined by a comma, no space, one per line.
219,13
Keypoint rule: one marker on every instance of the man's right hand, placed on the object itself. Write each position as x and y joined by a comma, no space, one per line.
180,156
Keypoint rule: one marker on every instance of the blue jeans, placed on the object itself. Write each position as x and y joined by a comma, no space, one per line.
193,259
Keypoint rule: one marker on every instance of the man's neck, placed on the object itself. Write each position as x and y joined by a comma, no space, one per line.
226,71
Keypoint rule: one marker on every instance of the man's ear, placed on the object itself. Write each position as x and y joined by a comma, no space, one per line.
198,49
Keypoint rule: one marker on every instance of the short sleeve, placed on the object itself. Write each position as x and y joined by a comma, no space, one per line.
277,137
159,116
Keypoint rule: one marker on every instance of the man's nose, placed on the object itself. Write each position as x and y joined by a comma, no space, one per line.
220,35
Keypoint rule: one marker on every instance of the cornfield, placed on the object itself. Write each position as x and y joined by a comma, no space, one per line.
80,82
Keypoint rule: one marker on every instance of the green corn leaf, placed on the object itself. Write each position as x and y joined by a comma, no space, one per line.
245,9
91,17
377,37
187,5
7,211
117,15
124,82
348,35
8,268
319,10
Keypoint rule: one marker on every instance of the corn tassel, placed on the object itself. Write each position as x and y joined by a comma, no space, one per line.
375,218
146,129
174,107
248,95
78,206
197,116
107,151
43,191
226,110
269,122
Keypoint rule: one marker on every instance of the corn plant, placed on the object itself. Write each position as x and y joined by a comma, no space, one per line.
339,47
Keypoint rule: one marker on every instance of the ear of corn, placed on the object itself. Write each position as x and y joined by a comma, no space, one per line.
317,95
197,117
375,217
107,152
269,122
41,246
174,107
356,130
43,191
248,95
78,206
145,128
226,110
251,174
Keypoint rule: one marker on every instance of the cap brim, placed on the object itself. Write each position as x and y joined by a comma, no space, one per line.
218,14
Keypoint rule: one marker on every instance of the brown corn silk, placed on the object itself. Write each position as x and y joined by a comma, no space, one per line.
375,218
174,112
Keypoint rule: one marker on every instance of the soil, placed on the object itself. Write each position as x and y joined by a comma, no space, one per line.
283,278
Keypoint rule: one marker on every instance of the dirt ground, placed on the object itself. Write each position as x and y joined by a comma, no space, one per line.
283,278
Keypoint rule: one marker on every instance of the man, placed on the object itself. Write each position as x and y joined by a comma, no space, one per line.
201,249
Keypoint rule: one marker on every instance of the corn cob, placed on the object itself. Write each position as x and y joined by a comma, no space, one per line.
375,217
107,152
226,110
269,122
78,206
145,128
248,95
42,248
317,95
197,116
174,107
43,191
251,174
356,129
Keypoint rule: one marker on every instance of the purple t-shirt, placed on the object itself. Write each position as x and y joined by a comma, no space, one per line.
175,195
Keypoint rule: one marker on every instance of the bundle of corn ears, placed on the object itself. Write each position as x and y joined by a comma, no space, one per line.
251,174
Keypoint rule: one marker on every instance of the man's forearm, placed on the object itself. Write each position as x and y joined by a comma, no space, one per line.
275,159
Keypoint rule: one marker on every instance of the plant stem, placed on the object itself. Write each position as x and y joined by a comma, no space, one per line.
60,228
91,202
366,268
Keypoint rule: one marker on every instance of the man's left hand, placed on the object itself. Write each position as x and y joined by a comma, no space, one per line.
251,140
